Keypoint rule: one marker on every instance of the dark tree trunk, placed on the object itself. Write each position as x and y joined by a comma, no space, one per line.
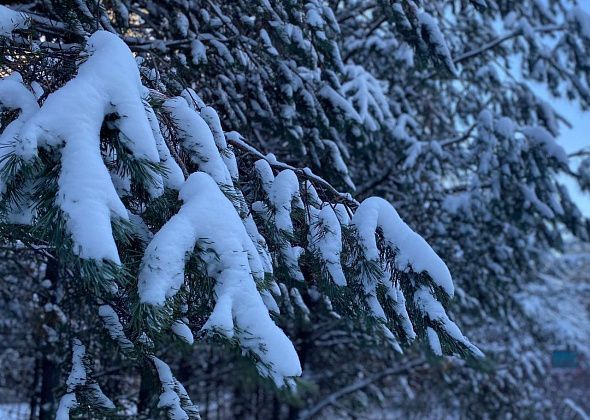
35,389
148,388
50,381
50,368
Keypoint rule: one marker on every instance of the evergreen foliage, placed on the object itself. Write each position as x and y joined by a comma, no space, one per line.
181,175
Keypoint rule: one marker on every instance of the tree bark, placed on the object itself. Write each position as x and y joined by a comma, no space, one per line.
50,368
149,386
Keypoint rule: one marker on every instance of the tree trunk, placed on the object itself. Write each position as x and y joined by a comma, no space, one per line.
35,389
50,368
50,381
148,388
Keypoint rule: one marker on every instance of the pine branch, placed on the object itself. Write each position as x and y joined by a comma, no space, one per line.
304,173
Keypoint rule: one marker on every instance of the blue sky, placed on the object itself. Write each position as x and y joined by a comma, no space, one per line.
573,139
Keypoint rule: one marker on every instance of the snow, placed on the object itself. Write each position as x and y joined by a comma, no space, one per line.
222,50
268,43
182,24
66,403
162,272
264,261
286,299
413,152
539,136
311,195
173,393
193,100
270,302
78,378
121,181
174,177
558,306
549,117
196,137
107,82
390,337
98,397
375,306
77,375
455,203
505,127
14,96
399,306
260,244
198,52
56,310
11,20
368,95
412,251
140,229
580,413
114,327
265,175
325,237
530,196
314,19
240,263
339,102
582,19
434,341
338,162
212,119
436,39
298,299
285,190
209,218
183,331
282,192
434,311
342,214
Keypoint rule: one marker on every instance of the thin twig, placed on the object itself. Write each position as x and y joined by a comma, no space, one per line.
357,386
304,173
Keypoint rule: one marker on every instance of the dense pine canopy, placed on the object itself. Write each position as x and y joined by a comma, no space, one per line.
287,209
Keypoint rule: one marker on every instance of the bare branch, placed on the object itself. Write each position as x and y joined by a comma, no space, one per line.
357,386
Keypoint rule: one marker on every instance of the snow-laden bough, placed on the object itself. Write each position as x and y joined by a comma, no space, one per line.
232,260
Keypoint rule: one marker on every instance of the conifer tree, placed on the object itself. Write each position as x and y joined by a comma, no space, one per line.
157,223
181,174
